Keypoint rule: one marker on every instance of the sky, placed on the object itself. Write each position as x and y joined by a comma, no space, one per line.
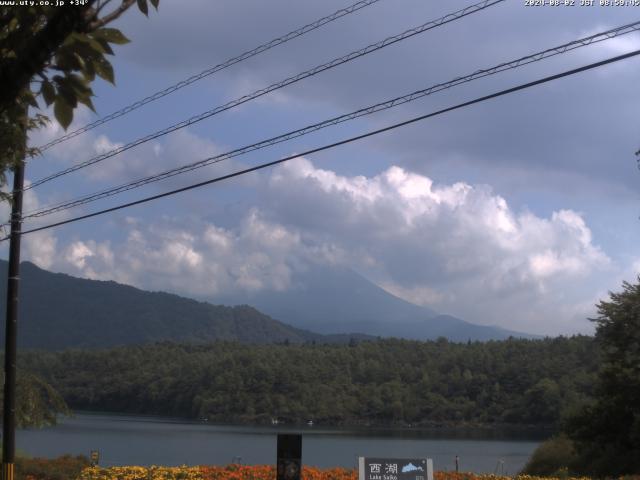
522,211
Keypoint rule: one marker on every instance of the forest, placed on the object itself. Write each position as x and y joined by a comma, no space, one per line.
384,382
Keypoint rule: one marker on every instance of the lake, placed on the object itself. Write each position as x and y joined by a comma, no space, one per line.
136,440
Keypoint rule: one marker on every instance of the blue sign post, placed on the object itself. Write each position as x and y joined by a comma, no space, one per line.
370,468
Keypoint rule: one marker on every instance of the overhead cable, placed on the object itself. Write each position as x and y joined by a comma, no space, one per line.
210,71
477,7
336,144
535,57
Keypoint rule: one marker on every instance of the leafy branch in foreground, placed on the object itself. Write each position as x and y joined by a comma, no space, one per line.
38,403
49,56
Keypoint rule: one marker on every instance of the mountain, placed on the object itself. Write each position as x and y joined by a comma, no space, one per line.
60,311
326,305
339,300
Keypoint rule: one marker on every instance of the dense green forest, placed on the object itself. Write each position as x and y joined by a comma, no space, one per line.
384,382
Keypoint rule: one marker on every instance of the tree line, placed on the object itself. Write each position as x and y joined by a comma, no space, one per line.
384,382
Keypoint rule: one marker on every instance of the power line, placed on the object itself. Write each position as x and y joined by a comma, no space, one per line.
276,86
210,71
341,142
535,57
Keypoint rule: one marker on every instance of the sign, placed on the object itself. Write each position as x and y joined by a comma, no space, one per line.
394,469
94,458
289,457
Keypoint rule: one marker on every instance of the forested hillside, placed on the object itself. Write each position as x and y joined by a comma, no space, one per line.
522,382
59,311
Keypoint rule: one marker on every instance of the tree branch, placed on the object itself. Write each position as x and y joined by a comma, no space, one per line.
101,22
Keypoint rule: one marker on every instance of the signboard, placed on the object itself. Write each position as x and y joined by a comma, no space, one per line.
289,457
94,457
370,468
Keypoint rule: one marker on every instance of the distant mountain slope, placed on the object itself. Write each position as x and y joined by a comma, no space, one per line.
60,311
326,305
339,300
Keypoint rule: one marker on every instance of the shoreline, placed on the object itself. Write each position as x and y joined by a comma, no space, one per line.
452,431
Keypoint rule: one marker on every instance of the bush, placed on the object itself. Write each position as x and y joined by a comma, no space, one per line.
556,457
61,468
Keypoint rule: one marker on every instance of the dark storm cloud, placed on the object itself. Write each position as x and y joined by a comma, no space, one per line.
582,127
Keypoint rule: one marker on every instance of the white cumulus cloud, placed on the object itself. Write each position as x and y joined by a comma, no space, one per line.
458,248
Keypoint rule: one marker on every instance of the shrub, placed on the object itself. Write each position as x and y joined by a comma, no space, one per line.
556,457
61,468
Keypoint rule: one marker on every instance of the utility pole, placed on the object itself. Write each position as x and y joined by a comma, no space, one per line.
11,331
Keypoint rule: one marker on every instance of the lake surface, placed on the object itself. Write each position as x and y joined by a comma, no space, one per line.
134,440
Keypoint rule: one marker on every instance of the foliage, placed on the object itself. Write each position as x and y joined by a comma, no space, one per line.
607,433
51,54
142,473
267,472
37,402
383,382
66,467
552,458
244,472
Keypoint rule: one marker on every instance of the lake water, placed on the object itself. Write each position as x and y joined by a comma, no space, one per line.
133,440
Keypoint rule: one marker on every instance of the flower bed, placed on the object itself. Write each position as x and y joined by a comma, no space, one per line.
228,472
266,472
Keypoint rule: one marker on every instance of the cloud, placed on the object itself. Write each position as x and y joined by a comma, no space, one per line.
453,222
458,248
179,148
430,228
618,45
418,295
194,258
510,144
39,247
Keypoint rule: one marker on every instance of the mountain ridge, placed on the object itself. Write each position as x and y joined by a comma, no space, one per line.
60,311
359,305
98,313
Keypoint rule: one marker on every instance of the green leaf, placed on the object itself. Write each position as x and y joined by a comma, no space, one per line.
63,112
87,101
48,92
111,35
81,41
144,8
74,38
89,71
81,62
105,46
67,60
83,92
155,3
104,69
66,91
98,46
86,52
69,96
78,83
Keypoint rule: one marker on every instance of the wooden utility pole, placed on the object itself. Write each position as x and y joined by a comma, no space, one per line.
11,330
